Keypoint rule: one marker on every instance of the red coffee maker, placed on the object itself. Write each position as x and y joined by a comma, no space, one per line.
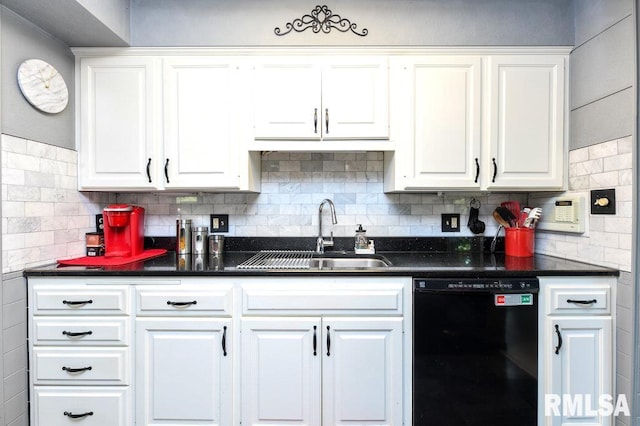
123,230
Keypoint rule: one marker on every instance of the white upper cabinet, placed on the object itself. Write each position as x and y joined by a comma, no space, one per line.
319,100
165,123
477,122
118,123
202,123
526,122
436,114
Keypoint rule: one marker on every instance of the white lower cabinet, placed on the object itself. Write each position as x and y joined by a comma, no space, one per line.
329,371
577,355
325,351
183,371
86,406
80,353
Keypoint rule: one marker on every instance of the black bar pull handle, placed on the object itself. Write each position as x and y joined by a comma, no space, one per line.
495,169
315,340
77,416
77,302
77,334
328,341
166,170
178,304
224,340
582,302
477,171
148,170
76,370
326,119
315,120
557,350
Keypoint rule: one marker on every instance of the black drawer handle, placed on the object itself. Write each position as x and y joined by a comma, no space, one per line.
477,171
77,416
328,341
315,120
224,340
77,302
77,334
76,370
582,302
495,170
557,350
148,171
326,119
166,170
315,340
169,302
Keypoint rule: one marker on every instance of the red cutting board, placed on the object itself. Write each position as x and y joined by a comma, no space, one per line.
111,261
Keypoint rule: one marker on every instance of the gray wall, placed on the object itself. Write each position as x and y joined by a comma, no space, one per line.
602,72
390,22
22,40
602,109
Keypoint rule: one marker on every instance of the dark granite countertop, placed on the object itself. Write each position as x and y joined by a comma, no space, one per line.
417,257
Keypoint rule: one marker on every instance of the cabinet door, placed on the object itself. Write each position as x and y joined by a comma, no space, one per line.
202,120
183,371
355,98
280,365
527,95
437,122
581,369
118,119
287,102
362,371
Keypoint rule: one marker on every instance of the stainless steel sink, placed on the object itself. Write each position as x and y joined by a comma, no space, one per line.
328,262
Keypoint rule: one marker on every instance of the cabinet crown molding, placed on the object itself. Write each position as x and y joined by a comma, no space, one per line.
320,50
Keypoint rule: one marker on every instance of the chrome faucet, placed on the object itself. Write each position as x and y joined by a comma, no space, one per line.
321,243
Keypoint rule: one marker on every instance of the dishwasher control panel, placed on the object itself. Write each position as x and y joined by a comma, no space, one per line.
480,284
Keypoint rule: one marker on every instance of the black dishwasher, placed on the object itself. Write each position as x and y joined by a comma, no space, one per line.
475,352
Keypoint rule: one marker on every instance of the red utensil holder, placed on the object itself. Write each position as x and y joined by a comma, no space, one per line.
519,242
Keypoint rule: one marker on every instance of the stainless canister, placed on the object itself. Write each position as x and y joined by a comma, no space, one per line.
216,245
199,241
183,236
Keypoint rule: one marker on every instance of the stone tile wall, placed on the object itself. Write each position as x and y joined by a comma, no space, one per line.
609,238
294,184
44,217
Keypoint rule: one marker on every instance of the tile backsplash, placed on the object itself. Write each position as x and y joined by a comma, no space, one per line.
45,217
294,184
608,241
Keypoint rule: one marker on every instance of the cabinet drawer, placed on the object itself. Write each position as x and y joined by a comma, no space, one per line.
81,366
185,302
593,300
385,301
96,406
80,300
63,331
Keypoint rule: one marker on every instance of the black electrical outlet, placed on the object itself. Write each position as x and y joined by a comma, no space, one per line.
219,223
603,201
99,223
450,222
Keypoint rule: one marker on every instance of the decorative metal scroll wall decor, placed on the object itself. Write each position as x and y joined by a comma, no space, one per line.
321,19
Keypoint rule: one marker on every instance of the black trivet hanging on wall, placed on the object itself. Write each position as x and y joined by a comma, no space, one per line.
321,19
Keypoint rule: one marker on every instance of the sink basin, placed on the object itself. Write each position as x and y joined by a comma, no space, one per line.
368,262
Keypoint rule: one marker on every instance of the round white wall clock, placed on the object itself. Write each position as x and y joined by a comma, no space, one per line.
43,86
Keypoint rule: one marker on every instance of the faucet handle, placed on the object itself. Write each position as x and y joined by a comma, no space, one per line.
329,242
